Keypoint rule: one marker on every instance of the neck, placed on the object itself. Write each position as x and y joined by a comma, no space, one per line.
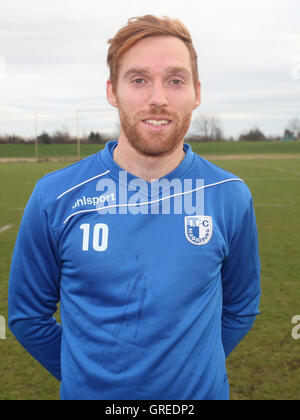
147,167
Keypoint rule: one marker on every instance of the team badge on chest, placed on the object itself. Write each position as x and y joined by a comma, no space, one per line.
198,229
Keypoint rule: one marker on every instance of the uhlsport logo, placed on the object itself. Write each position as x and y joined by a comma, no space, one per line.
198,229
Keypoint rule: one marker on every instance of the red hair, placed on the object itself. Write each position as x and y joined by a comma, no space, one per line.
138,28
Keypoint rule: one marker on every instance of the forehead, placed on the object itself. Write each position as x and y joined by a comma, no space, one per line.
157,53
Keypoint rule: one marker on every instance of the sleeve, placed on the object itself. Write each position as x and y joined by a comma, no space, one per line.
241,278
34,288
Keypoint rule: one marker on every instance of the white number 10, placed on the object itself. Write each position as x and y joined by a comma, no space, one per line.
100,237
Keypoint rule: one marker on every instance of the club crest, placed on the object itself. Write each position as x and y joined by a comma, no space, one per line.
198,229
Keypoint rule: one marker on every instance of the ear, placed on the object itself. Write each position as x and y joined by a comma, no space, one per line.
198,96
111,96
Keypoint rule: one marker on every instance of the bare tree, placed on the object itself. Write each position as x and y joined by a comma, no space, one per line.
253,135
294,127
207,127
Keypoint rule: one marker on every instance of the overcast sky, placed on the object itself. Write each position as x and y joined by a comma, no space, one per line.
53,60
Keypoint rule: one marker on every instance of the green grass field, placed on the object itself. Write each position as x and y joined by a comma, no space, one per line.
222,148
266,365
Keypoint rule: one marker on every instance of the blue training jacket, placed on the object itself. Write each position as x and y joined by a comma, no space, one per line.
157,282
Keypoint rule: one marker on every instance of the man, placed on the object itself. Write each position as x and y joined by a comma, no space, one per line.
150,249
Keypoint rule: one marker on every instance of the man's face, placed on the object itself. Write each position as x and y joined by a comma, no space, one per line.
155,95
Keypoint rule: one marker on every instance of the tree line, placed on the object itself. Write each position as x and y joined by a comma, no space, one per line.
59,137
205,128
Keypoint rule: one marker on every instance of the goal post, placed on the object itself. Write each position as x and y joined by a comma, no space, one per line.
36,146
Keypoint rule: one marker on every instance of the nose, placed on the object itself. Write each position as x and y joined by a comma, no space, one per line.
158,97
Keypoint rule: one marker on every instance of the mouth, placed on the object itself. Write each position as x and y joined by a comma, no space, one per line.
157,123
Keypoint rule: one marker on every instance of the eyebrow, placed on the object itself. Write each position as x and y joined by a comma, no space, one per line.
136,70
176,70
145,70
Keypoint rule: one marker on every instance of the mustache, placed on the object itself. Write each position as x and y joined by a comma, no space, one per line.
157,112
